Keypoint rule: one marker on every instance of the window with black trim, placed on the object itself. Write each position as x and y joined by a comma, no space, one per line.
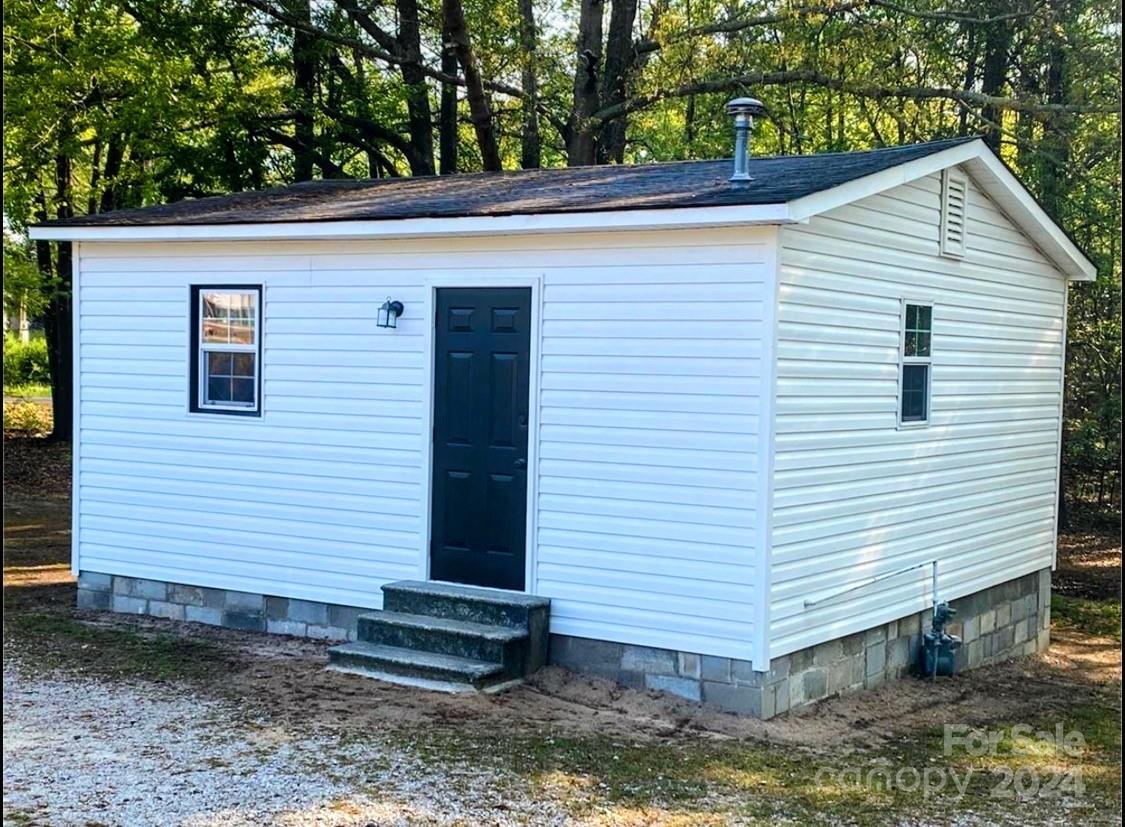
226,349
917,345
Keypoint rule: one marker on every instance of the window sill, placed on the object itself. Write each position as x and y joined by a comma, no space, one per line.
912,426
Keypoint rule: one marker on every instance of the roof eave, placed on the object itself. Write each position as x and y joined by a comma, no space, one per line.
540,223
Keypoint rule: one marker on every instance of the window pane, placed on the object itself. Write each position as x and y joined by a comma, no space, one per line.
910,343
243,364
228,317
914,388
218,363
242,390
911,316
925,315
218,389
923,344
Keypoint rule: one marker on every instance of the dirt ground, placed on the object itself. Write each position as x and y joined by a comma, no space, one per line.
550,740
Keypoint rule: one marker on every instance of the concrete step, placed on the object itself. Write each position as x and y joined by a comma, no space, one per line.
411,667
446,636
499,608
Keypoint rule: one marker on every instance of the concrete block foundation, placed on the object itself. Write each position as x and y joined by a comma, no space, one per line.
1005,621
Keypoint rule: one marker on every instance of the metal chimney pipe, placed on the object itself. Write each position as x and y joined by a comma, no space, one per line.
744,111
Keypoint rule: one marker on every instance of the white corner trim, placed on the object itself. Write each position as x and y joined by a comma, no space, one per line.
763,565
680,217
1062,411
76,386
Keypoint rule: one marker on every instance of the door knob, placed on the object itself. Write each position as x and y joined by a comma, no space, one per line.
520,463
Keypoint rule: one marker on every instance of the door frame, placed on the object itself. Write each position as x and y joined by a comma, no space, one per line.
432,285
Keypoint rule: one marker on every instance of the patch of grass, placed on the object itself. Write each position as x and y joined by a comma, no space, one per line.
28,389
51,641
1095,617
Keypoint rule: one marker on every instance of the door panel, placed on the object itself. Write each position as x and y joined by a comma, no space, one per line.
481,379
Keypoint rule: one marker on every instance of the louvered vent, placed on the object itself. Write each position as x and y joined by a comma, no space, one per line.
954,198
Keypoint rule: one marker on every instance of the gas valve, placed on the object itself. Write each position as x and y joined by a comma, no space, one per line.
938,647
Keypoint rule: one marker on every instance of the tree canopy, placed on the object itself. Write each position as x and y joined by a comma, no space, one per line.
117,103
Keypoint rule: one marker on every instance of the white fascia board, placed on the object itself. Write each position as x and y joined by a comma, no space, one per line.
681,217
990,174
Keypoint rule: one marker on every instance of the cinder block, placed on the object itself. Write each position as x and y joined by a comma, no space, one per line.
1003,615
244,621
683,687
1021,632
94,599
875,636
1044,590
872,681
1003,640
988,622
975,653
971,629
94,581
1043,640
139,587
308,611
825,654
815,683
716,669
898,657
1045,618
185,595
285,627
744,700
688,665
1019,609
781,696
876,660
326,632
800,660
598,657
128,605
204,614
908,626
244,602
892,630
648,661
344,617
277,608
852,644
842,676
162,608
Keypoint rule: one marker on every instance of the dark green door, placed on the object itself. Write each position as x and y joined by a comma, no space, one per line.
478,517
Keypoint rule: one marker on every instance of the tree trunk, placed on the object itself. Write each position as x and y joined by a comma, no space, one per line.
304,87
997,42
582,136
530,141
419,116
57,318
479,109
114,157
615,77
448,125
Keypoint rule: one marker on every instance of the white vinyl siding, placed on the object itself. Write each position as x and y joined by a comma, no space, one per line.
854,496
649,375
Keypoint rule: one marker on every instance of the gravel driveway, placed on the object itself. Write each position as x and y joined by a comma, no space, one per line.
82,752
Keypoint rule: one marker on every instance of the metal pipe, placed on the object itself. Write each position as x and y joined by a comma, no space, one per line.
744,111
876,579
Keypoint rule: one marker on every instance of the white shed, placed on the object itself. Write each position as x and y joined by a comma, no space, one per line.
725,427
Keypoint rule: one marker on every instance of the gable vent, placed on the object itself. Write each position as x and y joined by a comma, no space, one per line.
954,199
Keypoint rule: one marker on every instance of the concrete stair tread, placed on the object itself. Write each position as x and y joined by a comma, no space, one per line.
445,665
464,628
422,587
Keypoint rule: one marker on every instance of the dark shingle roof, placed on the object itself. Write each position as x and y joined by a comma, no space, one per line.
576,189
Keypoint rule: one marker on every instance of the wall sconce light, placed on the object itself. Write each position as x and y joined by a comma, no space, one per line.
389,313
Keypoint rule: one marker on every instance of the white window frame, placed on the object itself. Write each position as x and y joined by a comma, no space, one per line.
203,348
904,360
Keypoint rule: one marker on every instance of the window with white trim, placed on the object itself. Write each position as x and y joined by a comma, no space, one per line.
915,378
227,347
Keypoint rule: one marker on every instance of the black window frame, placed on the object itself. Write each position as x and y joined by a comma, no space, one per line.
195,390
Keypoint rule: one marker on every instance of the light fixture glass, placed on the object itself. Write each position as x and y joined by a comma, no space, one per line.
389,313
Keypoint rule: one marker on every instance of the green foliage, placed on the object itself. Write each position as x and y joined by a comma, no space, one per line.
1093,617
25,362
27,418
